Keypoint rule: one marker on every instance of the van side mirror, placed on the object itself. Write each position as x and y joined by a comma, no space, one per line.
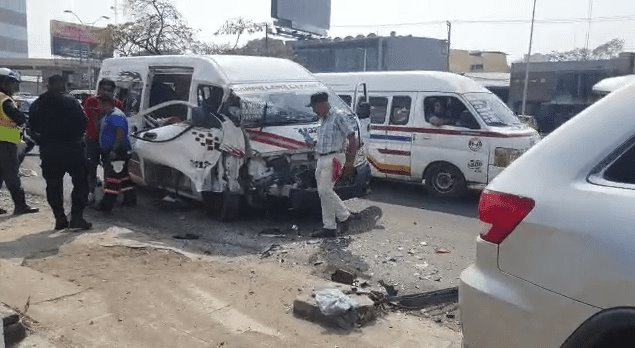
363,110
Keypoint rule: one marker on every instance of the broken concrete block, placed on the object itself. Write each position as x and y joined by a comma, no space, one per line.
306,307
343,277
11,331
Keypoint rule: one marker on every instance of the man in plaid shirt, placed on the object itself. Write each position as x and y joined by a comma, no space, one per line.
336,157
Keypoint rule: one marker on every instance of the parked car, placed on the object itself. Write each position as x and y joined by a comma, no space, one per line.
555,262
24,102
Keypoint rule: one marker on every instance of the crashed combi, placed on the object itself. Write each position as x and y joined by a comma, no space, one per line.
226,129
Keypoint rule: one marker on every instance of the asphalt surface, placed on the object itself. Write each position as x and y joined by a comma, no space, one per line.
405,238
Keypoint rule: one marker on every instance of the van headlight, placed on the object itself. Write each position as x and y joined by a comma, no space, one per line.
503,156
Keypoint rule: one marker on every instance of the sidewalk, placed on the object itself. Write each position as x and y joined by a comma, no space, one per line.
114,287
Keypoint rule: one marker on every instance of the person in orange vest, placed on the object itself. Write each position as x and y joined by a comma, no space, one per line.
10,119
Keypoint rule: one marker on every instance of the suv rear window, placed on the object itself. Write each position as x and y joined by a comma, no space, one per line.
623,169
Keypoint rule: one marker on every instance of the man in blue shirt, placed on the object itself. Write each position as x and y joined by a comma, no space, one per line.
115,149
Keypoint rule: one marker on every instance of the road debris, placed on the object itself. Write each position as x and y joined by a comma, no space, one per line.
426,299
187,236
423,243
441,250
343,277
272,233
331,307
390,288
269,251
317,263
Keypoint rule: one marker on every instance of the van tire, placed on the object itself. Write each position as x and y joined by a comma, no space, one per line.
445,180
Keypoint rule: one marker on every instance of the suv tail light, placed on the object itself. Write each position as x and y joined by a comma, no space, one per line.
504,212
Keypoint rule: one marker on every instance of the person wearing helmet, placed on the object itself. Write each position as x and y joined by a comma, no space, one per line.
10,119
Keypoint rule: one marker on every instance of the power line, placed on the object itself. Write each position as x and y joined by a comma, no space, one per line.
496,21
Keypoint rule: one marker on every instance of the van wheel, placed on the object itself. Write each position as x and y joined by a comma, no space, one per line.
223,206
446,180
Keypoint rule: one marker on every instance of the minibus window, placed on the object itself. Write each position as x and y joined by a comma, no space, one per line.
448,111
379,107
400,110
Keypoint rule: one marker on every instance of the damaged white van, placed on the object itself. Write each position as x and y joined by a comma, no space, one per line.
226,129
440,129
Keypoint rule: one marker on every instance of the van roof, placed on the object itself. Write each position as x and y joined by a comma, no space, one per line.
384,81
221,69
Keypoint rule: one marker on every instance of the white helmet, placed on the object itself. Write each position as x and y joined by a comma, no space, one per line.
11,74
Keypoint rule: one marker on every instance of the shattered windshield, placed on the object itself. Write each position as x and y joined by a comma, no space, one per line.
492,110
279,104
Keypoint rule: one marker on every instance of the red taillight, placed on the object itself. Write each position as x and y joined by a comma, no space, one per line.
504,212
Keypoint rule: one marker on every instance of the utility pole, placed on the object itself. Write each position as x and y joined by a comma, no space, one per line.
527,60
449,24
588,29
267,38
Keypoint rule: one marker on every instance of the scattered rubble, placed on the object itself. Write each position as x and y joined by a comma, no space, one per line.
343,277
441,250
331,307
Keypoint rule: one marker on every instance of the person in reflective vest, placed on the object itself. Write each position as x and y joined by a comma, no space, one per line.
115,153
10,119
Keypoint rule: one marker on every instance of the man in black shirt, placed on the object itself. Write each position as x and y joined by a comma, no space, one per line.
10,119
58,122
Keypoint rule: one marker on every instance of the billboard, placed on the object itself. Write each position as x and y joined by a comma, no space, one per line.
79,41
312,16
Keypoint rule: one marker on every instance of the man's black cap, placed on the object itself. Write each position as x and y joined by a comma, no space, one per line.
319,98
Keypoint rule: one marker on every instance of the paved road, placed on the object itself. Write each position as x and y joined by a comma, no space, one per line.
395,242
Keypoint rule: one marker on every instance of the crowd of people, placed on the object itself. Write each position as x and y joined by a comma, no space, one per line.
73,139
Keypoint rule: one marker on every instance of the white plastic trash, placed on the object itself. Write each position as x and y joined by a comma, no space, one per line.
333,302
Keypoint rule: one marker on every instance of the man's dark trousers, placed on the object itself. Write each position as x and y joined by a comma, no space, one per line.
57,160
9,173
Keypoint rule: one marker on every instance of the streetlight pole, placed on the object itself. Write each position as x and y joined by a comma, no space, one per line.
88,51
365,50
527,60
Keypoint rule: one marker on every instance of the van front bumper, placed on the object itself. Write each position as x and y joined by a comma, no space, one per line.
355,187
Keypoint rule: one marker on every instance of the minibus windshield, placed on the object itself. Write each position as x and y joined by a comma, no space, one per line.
278,103
492,110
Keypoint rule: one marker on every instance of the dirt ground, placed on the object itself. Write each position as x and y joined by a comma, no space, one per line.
123,285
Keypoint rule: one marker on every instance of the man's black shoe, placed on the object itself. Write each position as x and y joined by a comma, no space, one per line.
61,225
80,224
325,233
25,210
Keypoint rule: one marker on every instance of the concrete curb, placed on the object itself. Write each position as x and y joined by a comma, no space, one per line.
12,330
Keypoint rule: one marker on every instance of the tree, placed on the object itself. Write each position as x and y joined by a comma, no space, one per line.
607,50
157,27
268,48
239,26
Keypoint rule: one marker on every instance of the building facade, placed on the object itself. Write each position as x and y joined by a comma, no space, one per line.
13,29
373,53
463,61
559,90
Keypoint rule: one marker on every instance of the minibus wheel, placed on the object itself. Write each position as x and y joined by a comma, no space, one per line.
224,206
445,180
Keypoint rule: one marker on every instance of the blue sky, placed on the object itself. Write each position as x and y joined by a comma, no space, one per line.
208,15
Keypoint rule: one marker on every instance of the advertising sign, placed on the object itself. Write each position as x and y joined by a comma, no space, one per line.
79,41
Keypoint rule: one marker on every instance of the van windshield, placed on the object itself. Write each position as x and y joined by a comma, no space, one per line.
261,105
492,110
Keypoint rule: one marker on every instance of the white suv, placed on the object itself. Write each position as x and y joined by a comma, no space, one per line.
555,263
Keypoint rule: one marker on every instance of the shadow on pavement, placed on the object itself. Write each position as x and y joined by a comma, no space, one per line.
415,196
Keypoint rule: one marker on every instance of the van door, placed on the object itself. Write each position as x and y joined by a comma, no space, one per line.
377,138
449,156
399,138
169,84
